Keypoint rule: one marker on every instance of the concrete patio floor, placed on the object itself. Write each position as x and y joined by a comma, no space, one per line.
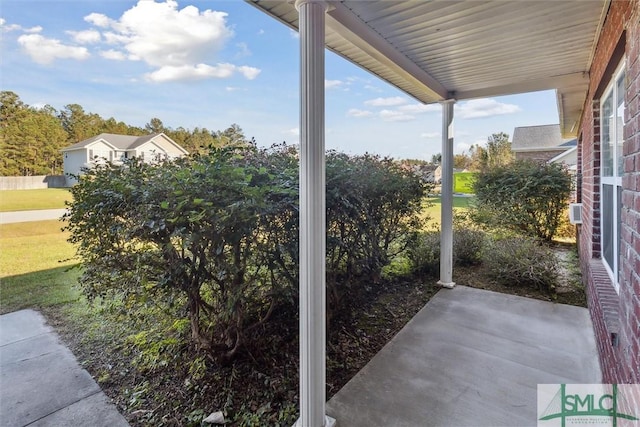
41,383
473,358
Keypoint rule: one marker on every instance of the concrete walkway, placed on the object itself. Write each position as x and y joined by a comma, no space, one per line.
470,358
28,216
41,383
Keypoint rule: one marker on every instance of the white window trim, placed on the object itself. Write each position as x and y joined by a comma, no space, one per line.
615,180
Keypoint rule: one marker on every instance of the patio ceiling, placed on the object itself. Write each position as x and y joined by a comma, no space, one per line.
435,50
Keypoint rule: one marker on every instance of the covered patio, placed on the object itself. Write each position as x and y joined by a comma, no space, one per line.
471,357
435,51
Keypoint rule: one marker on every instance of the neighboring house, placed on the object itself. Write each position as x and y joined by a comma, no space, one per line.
437,173
108,147
543,143
424,171
569,157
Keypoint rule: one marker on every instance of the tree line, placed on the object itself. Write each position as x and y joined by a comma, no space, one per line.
31,137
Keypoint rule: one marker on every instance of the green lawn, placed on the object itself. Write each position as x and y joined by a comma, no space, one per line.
34,262
24,200
459,203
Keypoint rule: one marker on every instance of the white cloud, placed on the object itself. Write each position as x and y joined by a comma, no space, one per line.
478,108
99,20
332,84
113,55
161,35
44,51
85,37
395,116
386,102
419,108
354,112
9,27
243,50
293,131
372,88
5,28
181,44
294,34
198,72
260,32
249,73
430,135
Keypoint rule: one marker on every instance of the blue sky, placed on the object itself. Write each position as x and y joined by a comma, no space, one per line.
214,63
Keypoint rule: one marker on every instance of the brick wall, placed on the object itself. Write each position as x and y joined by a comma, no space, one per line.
538,156
630,228
613,313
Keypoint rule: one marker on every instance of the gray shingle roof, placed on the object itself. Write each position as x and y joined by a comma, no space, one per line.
121,142
544,137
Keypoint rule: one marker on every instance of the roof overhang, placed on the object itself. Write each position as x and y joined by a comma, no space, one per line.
436,50
91,144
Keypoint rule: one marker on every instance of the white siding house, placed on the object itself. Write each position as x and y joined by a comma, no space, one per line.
108,147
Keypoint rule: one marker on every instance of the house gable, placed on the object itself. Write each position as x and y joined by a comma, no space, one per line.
114,148
539,143
167,145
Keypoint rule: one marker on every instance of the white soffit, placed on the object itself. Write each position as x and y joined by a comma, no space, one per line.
433,50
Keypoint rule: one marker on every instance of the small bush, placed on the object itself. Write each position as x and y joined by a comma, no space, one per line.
468,247
424,253
565,230
400,266
521,261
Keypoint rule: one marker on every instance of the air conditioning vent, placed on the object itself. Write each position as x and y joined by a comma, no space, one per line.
575,213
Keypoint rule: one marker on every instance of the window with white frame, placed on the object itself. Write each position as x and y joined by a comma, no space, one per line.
611,169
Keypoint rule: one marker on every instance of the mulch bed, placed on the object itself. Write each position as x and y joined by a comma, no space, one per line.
262,389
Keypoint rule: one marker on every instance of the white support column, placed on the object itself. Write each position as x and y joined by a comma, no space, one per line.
312,216
446,227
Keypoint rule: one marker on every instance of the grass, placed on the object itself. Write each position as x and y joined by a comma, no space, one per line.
34,263
459,203
24,200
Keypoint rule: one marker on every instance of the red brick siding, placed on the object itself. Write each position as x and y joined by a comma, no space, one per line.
621,363
590,186
630,247
538,156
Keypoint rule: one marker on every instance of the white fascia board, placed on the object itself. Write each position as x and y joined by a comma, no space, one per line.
560,156
547,83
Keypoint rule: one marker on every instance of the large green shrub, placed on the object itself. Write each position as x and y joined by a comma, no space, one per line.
373,207
526,197
184,230
216,236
